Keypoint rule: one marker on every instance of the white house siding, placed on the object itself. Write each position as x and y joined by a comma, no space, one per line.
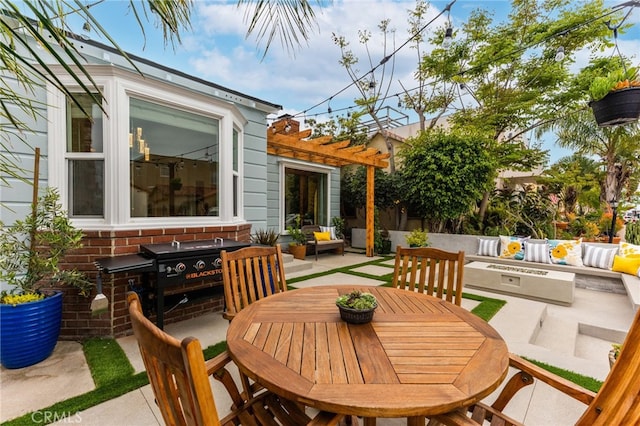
255,170
273,194
16,199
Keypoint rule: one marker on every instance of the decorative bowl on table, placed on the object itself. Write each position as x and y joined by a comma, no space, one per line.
357,307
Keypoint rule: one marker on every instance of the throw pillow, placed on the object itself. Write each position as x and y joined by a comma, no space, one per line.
566,252
626,265
598,257
536,252
322,236
488,247
629,250
331,230
512,247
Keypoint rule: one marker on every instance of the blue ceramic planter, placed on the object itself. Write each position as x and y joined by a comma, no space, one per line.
29,331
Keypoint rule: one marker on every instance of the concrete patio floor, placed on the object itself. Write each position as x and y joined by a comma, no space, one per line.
576,338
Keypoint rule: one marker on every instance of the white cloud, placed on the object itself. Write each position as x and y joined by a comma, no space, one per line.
216,49
219,18
313,74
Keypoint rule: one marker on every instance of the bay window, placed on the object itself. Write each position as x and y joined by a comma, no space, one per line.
158,155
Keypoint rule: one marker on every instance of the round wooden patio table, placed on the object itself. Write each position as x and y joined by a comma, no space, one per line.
419,356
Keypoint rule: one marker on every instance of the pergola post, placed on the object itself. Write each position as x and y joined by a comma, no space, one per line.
370,210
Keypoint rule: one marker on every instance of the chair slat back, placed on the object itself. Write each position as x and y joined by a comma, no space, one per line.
250,274
429,270
618,400
176,372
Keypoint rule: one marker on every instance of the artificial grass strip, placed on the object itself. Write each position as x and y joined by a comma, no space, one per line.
344,269
215,350
107,361
586,382
487,308
68,408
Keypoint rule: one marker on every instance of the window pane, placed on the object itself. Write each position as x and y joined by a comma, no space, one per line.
235,150
173,162
306,195
235,195
85,134
86,188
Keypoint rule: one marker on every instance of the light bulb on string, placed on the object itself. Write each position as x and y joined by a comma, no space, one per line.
560,54
448,37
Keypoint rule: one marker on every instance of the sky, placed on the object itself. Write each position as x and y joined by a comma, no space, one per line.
216,49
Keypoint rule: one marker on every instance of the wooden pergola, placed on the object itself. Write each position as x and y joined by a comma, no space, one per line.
285,140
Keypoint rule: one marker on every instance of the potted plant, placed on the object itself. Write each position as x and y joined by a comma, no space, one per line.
265,237
298,245
417,238
30,254
615,99
356,307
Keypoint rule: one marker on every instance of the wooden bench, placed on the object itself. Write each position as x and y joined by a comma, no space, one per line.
319,246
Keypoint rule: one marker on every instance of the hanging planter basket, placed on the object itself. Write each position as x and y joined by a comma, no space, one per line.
29,331
618,107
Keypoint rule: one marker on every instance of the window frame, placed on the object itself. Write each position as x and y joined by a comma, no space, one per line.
117,87
299,165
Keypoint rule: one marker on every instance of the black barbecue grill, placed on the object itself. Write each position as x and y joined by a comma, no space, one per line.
174,264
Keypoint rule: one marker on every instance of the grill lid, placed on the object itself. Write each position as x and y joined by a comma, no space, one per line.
189,248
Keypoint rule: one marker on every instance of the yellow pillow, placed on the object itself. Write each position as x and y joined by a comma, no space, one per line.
629,250
627,265
322,236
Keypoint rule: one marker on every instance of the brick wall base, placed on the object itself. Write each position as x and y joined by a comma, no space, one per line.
78,323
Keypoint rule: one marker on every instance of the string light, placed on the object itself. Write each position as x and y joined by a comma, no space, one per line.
559,52
448,37
383,60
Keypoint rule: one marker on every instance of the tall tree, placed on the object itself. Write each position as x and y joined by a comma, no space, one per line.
512,82
443,174
374,85
616,148
573,180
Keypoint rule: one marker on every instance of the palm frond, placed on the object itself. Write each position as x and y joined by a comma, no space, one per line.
291,21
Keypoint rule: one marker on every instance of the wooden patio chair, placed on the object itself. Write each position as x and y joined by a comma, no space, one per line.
179,377
250,274
429,270
616,403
